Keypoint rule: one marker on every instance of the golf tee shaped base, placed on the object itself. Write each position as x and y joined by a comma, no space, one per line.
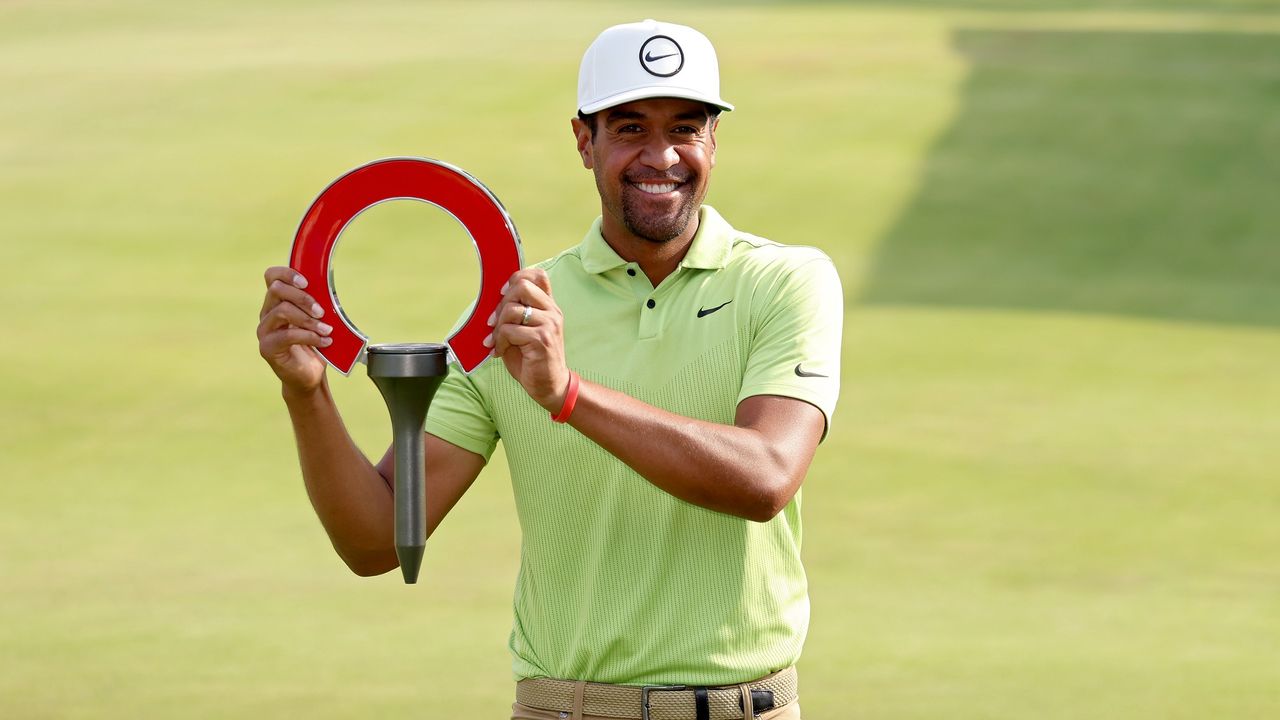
408,376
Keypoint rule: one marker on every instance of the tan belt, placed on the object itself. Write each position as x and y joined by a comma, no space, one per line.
654,702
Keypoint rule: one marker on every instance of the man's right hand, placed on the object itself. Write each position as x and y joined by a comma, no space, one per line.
289,330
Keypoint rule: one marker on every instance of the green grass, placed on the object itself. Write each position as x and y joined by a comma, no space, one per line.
1104,172
1050,489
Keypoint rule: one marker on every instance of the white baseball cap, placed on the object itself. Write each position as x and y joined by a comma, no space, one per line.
646,60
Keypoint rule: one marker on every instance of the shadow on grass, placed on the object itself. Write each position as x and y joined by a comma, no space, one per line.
1130,173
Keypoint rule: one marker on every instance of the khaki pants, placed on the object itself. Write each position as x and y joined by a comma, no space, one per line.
523,712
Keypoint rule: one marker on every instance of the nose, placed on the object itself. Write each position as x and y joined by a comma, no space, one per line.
659,153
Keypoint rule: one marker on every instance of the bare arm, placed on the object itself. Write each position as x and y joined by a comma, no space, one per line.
750,469
352,497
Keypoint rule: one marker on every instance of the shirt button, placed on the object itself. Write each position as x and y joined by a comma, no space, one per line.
650,304
631,272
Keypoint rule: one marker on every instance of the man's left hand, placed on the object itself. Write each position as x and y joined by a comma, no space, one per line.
528,334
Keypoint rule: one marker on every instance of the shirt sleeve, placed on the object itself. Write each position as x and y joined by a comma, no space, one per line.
795,349
460,415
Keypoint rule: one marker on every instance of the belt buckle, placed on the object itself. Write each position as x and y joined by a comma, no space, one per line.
644,696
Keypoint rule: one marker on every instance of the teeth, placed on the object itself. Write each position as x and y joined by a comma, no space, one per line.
655,189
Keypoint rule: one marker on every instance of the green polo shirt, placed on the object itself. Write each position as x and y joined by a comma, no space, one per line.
619,581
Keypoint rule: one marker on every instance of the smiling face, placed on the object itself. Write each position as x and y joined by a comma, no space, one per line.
652,161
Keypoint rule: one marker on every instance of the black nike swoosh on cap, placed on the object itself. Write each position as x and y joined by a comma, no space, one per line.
702,312
805,373
650,58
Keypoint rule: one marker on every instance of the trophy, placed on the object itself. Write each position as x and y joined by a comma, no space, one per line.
408,374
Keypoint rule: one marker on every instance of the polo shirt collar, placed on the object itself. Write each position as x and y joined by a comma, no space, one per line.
712,243
597,256
708,251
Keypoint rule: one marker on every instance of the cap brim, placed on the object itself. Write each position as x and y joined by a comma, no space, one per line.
652,92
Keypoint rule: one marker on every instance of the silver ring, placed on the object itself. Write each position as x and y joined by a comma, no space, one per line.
528,313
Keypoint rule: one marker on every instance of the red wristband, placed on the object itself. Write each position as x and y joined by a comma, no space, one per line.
570,399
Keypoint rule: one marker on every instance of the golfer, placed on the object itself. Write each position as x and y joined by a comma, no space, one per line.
659,390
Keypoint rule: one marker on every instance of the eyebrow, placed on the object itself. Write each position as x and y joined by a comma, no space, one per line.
692,115
624,115
635,115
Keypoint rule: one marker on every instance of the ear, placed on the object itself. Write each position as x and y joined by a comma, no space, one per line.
715,123
582,132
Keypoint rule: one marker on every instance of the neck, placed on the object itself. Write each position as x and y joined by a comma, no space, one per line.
656,260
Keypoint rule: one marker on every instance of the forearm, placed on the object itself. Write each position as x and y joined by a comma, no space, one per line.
741,471
750,469
352,499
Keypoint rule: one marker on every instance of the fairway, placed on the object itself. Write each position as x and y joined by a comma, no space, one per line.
1050,489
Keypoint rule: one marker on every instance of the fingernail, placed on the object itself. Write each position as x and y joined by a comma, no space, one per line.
316,310
504,288
300,281
324,329
326,341
492,317
488,341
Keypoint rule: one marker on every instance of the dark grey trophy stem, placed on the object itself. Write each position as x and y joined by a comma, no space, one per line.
408,376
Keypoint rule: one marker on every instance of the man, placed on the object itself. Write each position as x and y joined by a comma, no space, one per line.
661,390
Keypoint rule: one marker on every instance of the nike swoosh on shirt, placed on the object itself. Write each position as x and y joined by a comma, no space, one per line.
805,373
650,58
703,312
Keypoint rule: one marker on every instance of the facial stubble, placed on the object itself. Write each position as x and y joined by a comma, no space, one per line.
657,228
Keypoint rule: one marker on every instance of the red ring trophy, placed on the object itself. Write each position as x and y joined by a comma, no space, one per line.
408,374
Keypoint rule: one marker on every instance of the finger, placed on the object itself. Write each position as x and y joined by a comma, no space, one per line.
514,314
289,315
285,275
527,292
536,276
286,314
278,342
282,274
511,307
509,336
279,292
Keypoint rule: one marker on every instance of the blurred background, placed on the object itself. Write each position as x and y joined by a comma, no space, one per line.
1052,485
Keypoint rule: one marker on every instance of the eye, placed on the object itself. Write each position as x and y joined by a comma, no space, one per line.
629,128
